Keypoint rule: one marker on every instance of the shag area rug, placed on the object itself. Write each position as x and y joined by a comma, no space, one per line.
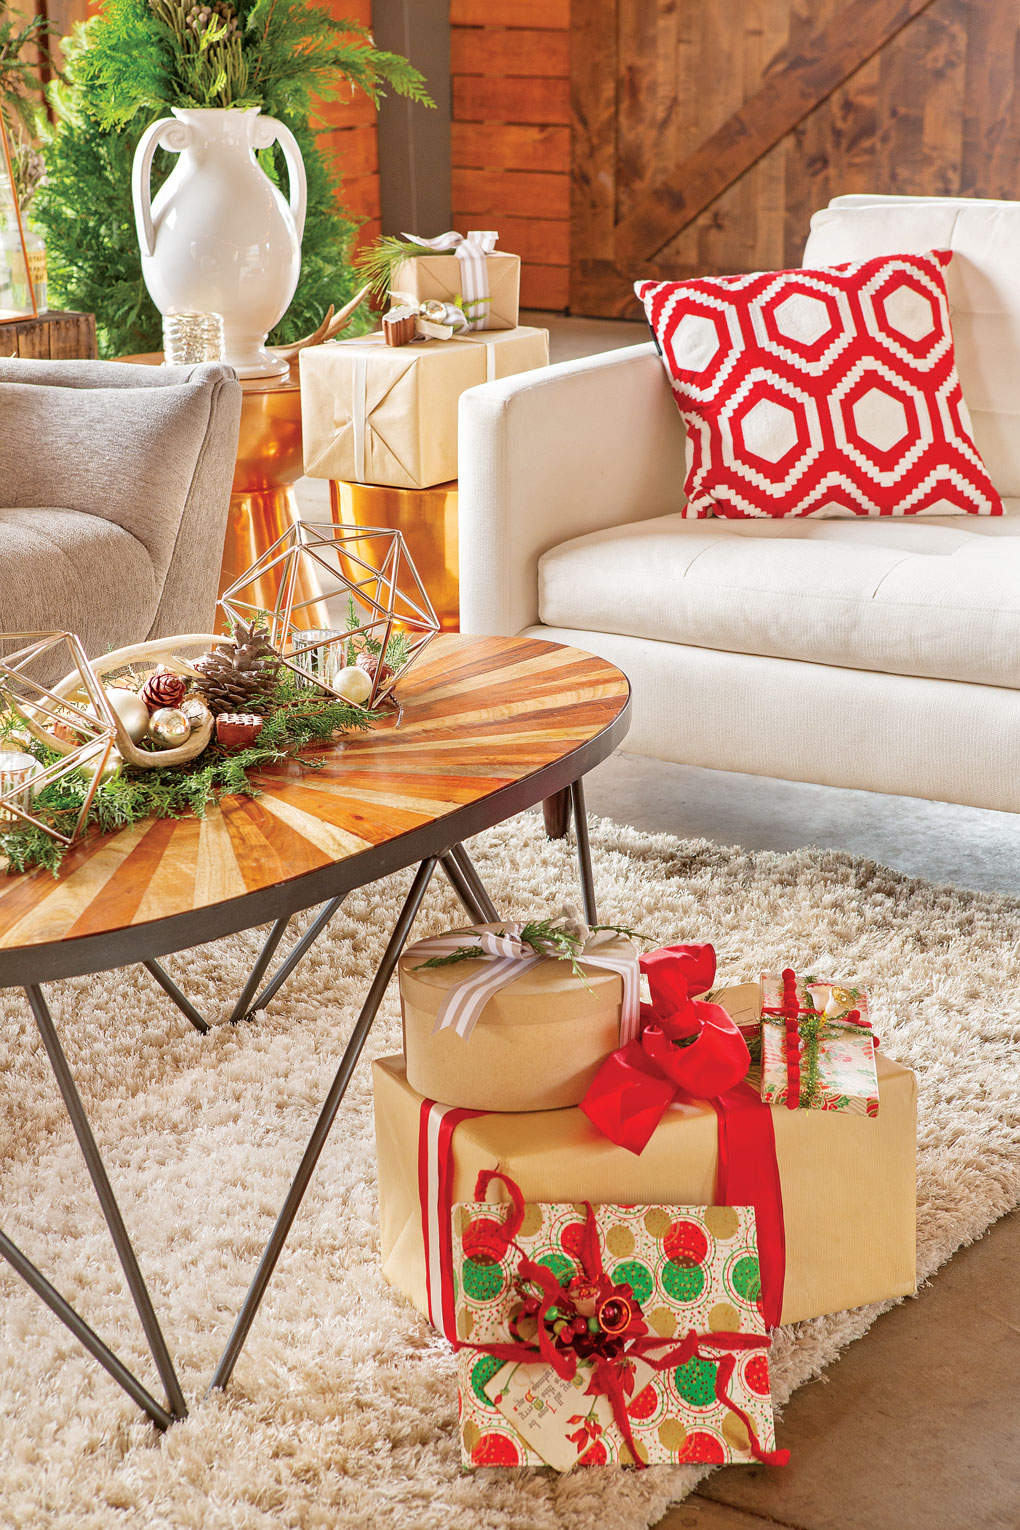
343,1410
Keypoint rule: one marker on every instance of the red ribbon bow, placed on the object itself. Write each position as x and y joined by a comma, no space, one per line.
628,1096
622,1332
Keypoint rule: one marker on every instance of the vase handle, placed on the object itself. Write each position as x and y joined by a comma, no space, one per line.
267,132
167,133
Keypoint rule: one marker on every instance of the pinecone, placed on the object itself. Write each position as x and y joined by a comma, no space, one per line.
235,675
163,689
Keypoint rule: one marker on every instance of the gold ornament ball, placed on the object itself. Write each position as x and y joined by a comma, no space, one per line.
354,684
110,771
169,728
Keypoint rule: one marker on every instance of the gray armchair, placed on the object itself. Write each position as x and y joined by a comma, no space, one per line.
114,490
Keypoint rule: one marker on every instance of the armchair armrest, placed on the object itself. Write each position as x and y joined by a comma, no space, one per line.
553,454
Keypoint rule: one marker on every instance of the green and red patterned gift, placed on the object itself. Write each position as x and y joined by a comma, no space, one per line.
817,1045
613,1334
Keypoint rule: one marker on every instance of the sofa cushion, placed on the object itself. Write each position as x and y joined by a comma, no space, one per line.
823,392
983,283
65,571
938,597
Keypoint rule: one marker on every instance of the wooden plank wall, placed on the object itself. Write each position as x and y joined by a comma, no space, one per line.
809,99
352,142
510,134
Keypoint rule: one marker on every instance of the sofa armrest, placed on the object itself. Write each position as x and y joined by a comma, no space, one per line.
553,454
108,374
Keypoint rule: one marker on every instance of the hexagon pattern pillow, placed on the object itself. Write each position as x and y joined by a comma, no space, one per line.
827,392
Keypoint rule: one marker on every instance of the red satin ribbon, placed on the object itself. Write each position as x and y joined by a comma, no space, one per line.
631,1091
610,1373
629,1095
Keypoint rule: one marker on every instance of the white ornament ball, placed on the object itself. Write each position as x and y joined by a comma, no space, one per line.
354,684
130,711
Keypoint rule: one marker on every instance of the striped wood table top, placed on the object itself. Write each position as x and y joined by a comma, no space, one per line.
490,726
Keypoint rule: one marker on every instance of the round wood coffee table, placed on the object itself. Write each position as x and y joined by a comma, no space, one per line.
487,728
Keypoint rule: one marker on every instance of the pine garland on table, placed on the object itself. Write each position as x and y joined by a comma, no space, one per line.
298,721
134,61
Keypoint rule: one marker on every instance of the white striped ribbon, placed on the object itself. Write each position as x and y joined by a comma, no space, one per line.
507,958
471,250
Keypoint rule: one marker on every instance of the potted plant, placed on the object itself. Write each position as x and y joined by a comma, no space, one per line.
139,59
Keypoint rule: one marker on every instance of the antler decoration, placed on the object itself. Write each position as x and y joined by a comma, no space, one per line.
331,326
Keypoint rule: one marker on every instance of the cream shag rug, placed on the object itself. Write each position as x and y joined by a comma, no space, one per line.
343,1408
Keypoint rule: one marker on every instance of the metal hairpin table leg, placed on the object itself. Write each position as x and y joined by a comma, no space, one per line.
111,1211
583,852
463,888
243,1006
34,1278
182,1001
338,1088
489,910
308,939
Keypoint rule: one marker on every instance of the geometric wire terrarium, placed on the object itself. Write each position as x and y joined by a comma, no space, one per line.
335,595
92,733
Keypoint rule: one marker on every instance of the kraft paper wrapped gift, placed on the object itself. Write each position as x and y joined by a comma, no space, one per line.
441,277
383,414
848,1182
544,1011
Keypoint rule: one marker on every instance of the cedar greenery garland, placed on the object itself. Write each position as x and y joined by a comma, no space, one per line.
136,60
300,719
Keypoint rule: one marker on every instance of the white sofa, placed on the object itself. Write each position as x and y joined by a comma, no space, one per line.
876,654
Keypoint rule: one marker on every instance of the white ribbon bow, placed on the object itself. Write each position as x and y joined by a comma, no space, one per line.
470,249
462,1004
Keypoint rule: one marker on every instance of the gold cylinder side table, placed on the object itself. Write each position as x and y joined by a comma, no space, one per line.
428,520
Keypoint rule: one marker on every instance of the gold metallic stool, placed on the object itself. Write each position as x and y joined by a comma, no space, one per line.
428,520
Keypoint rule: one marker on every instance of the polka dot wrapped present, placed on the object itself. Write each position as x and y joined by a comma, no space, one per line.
609,1335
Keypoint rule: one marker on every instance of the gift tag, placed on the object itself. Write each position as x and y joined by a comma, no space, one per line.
557,1418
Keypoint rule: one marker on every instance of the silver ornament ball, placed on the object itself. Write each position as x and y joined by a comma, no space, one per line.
169,728
196,711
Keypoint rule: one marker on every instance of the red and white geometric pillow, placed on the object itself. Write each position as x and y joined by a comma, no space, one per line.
828,392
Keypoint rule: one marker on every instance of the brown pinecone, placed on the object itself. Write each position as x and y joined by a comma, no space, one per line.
235,675
375,665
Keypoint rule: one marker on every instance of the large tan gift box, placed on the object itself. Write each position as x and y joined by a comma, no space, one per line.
848,1182
442,277
387,414
546,1013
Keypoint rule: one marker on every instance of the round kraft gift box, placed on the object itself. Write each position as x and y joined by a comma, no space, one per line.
537,1044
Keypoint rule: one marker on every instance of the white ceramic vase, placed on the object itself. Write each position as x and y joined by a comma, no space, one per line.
219,237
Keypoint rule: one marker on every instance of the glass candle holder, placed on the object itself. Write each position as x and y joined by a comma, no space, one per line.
321,657
16,772
192,337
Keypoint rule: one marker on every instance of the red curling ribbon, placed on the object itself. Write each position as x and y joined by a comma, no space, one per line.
612,1367
629,1094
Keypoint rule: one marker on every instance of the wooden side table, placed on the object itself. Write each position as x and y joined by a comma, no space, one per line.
53,335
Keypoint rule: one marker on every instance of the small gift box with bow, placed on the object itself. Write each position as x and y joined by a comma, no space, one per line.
817,1045
495,1017
609,1335
464,269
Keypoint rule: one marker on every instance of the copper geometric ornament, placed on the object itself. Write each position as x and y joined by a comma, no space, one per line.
36,705
310,581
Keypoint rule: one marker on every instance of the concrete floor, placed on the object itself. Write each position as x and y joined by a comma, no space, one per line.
917,1427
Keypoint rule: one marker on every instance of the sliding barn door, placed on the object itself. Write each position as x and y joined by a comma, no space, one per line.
706,132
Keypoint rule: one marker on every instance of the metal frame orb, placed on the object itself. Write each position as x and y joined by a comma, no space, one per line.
312,566
35,704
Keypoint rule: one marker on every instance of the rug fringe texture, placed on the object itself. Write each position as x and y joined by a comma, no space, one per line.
343,1410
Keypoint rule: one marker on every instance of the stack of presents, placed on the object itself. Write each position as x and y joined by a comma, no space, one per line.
605,1179
379,414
